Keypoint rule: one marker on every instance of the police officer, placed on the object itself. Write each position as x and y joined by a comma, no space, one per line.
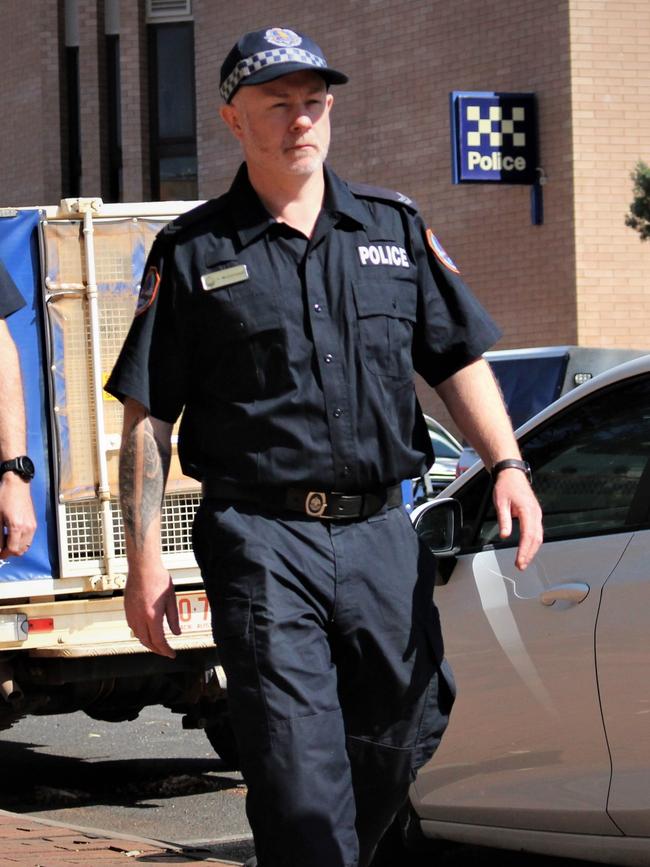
17,519
286,319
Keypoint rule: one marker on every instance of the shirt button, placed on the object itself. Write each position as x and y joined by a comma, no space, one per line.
338,412
347,470
329,358
317,308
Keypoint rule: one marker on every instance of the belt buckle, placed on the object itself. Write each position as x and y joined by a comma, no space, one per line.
315,504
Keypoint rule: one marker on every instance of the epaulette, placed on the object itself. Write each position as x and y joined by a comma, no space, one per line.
367,191
190,218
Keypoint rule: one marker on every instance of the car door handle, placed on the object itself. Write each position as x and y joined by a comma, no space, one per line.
571,592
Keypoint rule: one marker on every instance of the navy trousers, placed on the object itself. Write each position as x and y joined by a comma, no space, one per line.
337,686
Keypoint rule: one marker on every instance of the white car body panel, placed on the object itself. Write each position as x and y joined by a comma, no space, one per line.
557,759
537,757
623,851
623,657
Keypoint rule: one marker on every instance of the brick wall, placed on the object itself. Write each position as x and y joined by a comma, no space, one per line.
30,148
135,110
611,123
90,20
50,104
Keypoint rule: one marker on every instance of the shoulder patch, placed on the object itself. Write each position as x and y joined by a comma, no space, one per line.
190,218
367,191
148,291
440,253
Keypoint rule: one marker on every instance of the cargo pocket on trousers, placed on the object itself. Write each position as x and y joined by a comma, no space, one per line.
231,618
437,705
234,636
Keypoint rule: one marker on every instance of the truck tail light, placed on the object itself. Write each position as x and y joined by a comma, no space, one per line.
41,624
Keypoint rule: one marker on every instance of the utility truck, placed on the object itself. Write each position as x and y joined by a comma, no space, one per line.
64,642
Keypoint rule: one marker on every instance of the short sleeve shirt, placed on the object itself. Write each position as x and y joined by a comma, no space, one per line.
292,359
10,298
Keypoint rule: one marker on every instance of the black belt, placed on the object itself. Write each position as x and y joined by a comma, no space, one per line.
330,505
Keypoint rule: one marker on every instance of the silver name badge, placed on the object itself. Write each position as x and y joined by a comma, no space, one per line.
225,277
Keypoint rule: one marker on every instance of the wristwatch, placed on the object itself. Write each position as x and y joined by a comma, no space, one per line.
512,463
22,466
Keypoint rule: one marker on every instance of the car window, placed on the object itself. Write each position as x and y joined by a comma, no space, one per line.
529,384
591,468
442,447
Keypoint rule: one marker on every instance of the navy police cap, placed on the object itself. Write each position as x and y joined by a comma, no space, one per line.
263,55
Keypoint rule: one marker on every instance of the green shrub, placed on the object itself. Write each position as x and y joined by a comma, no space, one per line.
638,217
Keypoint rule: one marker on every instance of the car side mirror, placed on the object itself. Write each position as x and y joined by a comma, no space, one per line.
438,523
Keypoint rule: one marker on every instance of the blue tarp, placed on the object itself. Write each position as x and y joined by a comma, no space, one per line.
19,252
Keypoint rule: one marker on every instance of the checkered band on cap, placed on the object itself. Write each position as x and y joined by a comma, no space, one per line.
250,65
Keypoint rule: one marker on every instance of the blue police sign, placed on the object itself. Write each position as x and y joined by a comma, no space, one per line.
494,137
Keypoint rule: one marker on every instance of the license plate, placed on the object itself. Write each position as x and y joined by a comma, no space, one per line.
193,612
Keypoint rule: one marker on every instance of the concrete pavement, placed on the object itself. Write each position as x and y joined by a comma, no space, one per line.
31,842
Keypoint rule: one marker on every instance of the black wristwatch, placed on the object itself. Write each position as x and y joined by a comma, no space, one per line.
512,463
22,466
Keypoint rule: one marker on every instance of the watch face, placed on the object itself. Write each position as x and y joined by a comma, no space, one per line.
22,466
25,467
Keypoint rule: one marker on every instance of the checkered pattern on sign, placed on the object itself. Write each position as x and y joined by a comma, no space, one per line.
272,56
495,127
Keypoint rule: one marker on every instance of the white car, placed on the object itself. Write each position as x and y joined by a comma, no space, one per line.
548,748
532,378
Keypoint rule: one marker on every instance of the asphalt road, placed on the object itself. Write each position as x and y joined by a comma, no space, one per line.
148,777
151,778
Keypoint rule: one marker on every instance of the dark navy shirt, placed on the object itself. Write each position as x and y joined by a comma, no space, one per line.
10,298
297,369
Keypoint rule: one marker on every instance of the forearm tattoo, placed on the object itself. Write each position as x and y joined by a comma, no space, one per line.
144,463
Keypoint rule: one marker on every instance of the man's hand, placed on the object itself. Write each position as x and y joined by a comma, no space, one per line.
149,599
473,398
514,498
17,518
149,596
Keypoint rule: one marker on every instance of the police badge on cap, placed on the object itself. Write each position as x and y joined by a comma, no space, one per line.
263,55
281,37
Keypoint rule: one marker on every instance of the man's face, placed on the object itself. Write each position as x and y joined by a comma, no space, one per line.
283,125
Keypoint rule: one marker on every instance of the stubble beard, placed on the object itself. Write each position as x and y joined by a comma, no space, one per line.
308,165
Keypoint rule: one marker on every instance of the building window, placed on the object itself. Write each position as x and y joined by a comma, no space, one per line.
172,111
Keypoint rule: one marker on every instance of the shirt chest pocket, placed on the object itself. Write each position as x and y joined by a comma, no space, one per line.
241,310
245,342
386,315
